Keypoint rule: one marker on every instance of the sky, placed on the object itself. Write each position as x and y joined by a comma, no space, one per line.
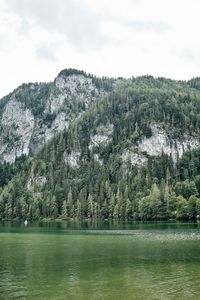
39,38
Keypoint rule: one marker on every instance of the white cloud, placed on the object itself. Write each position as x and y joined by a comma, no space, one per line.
46,53
71,18
126,38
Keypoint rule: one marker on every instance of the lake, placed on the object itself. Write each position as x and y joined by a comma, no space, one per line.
60,260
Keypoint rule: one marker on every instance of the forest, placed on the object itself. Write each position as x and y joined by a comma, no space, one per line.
71,178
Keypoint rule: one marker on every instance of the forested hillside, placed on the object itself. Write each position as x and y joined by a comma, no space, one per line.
134,154
34,112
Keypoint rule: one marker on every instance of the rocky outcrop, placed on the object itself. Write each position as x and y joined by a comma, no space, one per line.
102,137
160,142
136,159
72,159
27,124
17,125
78,87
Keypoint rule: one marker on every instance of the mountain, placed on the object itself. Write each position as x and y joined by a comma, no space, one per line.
33,113
133,154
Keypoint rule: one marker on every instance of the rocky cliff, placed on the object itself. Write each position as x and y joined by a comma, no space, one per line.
34,113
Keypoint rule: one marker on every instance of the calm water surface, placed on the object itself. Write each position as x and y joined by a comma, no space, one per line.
105,261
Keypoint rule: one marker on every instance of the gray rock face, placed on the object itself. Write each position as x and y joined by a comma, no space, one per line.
134,158
79,87
72,159
103,136
43,132
17,125
24,131
160,142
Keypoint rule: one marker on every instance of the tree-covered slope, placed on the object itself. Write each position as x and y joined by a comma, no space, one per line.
133,154
34,113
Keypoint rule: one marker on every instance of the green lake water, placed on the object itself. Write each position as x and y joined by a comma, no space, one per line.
60,260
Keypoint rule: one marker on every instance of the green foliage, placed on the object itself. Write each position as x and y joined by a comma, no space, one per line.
34,96
8,171
49,186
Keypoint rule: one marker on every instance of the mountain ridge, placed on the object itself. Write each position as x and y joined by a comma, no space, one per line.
133,154
44,109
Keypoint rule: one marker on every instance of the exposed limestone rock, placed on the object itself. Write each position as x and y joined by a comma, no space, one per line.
102,137
72,159
156,143
54,103
17,127
98,139
79,87
59,124
100,161
43,132
39,181
24,132
133,157
160,143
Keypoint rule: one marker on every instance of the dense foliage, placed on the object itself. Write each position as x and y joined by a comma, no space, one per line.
50,186
8,171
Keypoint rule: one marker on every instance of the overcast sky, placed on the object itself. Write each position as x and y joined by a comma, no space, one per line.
38,38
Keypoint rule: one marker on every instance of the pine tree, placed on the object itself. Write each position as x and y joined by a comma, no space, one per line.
90,207
53,207
69,204
64,210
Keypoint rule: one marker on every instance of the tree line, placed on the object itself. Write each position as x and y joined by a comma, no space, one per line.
47,186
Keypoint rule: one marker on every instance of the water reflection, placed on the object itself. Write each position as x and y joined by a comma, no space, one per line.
8,226
135,261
